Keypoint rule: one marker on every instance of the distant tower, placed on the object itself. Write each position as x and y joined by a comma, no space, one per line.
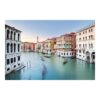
37,43
37,39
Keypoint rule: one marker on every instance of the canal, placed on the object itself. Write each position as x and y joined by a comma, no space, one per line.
52,68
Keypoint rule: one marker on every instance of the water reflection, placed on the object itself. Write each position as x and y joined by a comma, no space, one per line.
44,71
39,67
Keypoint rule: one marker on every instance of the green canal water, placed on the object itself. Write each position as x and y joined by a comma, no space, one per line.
74,69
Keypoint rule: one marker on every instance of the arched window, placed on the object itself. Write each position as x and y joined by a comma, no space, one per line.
8,61
18,37
8,34
11,47
18,47
11,35
14,35
92,37
91,45
8,47
18,58
14,47
91,30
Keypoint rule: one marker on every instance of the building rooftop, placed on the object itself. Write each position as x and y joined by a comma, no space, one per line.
87,27
12,28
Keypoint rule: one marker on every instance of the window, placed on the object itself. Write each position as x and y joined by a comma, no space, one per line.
85,38
79,39
14,35
83,51
89,37
79,51
14,66
18,58
79,45
83,45
14,47
18,47
91,30
8,34
14,59
11,47
8,61
91,45
11,35
83,32
18,37
8,47
8,69
79,33
11,60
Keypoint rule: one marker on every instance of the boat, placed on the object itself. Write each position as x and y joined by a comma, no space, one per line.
72,57
47,55
42,52
63,56
20,67
42,59
65,61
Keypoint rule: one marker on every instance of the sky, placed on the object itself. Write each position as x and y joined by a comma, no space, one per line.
45,29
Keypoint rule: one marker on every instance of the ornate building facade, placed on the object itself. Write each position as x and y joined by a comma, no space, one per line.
85,44
66,45
12,48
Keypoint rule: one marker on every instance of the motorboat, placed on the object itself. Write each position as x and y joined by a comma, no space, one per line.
47,55
42,59
72,57
63,56
65,61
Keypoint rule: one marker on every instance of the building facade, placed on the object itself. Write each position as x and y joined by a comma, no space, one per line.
66,45
85,44
49,46
39,46
27,46
12,48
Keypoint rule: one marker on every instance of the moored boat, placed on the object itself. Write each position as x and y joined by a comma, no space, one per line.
42,59
20,67
47,55
65,61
